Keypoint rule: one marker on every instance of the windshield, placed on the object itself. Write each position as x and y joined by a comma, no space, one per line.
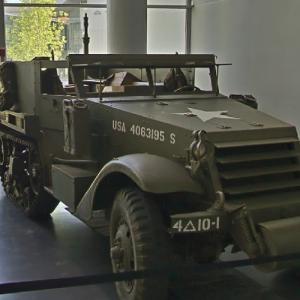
107,75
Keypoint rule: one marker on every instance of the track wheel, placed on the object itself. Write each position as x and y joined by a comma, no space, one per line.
39,205
138,241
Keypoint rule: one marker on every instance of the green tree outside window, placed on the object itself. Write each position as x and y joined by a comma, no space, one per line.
36,32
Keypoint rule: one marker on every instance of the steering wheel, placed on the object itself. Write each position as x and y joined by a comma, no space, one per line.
187,88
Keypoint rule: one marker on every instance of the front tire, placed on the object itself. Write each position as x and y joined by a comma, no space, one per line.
138,241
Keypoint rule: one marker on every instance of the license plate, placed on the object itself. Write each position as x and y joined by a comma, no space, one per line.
201,224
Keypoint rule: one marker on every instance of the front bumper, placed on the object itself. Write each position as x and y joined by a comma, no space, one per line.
281,237
271,238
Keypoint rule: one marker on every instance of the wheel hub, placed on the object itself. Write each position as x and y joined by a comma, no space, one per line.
122,253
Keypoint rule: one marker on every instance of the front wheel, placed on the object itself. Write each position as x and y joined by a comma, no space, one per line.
138,241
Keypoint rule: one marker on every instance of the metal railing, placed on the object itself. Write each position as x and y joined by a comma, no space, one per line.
174,273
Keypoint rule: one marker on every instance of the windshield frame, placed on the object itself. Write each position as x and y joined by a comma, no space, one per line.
80,65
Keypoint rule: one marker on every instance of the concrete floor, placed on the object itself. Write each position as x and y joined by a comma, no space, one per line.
64,246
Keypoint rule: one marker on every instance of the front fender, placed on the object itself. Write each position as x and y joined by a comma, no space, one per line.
151,173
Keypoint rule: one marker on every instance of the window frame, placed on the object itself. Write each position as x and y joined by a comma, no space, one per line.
187,7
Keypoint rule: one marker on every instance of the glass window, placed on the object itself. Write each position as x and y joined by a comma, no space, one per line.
97,29
28,28
94,1
57,1
202,79
166,31
166,2
39,30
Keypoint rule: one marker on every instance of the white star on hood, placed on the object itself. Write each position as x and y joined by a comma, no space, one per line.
207,115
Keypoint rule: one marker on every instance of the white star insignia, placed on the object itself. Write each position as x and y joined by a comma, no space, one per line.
207,115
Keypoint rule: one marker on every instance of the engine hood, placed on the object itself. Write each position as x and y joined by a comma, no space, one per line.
215,115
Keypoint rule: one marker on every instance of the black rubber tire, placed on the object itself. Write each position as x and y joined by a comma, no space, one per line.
149,241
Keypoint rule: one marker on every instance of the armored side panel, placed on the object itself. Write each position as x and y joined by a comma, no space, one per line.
28,76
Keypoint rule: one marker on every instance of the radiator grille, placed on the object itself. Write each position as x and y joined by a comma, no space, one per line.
257,167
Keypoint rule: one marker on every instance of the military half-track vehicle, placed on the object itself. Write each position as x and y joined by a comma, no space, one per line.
170,171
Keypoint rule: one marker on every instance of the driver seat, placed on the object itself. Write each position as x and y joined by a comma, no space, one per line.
175,79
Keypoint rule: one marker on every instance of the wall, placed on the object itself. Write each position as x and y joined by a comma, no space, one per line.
262,40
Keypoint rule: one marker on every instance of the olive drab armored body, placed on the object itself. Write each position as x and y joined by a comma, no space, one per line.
168,168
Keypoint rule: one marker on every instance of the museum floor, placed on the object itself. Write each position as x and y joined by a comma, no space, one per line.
64,247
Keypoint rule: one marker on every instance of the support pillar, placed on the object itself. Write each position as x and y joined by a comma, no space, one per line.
127,26
188,27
